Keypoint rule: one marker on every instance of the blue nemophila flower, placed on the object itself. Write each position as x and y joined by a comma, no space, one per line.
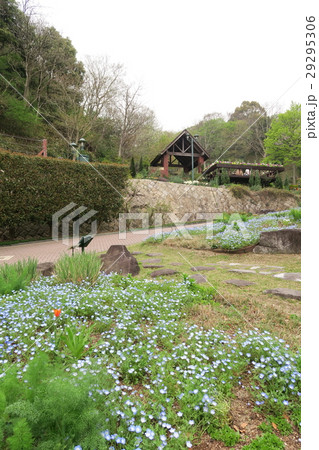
188,444
285,402
149,434
77,447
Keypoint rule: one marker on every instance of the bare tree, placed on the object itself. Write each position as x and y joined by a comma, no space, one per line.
132,117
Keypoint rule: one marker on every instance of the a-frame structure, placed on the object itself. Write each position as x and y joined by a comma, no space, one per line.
179,154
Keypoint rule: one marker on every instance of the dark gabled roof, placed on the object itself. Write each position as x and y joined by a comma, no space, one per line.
197,147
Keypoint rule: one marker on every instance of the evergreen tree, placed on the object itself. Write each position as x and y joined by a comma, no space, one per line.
224,178
140,166
252,179
132,168
257,179
278,182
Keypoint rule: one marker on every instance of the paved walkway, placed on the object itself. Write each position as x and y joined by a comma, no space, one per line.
50,251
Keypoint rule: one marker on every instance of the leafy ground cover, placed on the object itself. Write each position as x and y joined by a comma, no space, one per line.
121,364
231,232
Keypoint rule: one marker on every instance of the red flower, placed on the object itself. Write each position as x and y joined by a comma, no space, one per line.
57,312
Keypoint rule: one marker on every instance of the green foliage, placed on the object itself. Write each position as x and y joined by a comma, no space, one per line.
22,436
283,141
278,182
132,168
286,184
226,434
75,269
176,179
252,179
257,179
50,408
140,164
296,214
77,340
224,177
214,182
33,188
239,191
265,442
14,277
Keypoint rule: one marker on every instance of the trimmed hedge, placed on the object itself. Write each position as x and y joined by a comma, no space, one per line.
33,188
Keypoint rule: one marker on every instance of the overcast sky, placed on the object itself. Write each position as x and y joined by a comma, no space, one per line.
191,57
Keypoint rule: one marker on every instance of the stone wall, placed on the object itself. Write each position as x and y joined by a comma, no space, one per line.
157,196
179,199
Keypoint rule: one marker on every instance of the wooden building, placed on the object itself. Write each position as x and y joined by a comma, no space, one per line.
179,154
240,172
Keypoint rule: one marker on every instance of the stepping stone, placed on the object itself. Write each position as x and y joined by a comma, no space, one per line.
242,271
176,264
152,266
289,276
234,264
163,272
274,267
154,254
285,293
199,278
266,273
255,267
239,283
199,268
137,253
151,261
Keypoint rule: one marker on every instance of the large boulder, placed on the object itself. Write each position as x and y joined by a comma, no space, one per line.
118,259
279,241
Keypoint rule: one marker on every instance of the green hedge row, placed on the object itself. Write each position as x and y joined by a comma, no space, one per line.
33,188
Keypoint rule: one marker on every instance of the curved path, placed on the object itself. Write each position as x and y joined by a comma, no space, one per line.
50,251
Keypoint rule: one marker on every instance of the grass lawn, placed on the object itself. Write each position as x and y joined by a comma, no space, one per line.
244,307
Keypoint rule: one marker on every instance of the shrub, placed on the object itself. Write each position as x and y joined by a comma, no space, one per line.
132,168
224,177
257,179
14,277
278,182
75,269
239,191
33,188
252,179
214,182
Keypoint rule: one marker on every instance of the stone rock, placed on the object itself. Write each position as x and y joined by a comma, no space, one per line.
293,276
176,264
199,278
154,254
279,241
239,283
118,259
137,253
242,271
285,293
46,269
201,268
152,266
163,272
